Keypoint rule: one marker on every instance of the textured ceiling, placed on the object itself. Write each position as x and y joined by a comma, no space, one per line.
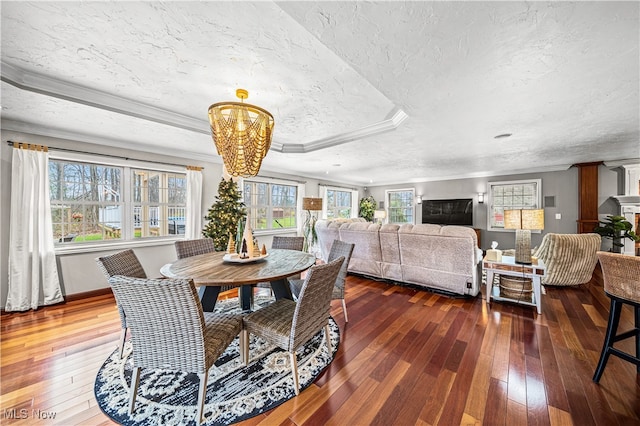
363,93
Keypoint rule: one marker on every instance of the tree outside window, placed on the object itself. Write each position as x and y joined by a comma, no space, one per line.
339,203
400,206
159,203
86,201
90,201
271,205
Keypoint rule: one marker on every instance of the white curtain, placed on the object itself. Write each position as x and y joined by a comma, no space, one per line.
322,190
301,213
33,274
355,203
193,227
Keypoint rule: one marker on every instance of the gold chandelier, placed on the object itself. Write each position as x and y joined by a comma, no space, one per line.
242,134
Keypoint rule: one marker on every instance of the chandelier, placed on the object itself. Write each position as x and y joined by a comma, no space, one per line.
242,134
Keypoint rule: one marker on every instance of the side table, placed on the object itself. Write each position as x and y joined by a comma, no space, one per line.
508,266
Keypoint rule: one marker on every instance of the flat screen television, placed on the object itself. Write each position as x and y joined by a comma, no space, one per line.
457,211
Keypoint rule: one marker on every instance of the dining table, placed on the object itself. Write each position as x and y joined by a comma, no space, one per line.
210,271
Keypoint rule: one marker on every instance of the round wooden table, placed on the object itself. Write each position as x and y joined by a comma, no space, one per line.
210,271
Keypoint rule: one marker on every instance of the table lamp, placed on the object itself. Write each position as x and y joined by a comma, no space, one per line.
523,221
379,215
310,204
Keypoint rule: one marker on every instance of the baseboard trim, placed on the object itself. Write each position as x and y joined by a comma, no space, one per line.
87,294
70,298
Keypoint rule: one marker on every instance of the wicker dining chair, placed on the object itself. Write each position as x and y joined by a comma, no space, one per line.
288,324
188,248
122,263
622,284
169,330
285,243
338,249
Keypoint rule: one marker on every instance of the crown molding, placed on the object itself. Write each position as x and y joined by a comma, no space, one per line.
45,85
49,86
49,132
621,163
397,117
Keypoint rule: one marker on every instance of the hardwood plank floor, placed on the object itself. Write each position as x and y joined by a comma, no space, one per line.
406,357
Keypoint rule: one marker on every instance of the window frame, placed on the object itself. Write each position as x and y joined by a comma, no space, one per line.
270,182
491,189
325,200
127,239
387,194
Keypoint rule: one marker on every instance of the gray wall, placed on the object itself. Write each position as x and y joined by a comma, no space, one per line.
563,185
78,271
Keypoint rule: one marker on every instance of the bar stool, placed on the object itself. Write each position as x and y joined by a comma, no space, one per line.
622,285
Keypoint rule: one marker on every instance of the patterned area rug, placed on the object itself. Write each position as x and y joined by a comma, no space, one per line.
234,392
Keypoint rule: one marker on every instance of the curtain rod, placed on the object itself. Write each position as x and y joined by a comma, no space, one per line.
77,151
337,186
258,177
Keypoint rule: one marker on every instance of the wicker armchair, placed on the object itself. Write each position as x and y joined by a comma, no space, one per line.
569,258
169,330
122,263
286,243
338,249
288,324
622,284
188,248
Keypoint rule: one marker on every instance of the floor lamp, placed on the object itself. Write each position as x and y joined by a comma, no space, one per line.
523,221
310,204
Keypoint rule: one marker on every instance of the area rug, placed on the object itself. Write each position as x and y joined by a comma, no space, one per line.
234,392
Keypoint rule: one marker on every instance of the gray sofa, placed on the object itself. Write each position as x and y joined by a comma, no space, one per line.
433,256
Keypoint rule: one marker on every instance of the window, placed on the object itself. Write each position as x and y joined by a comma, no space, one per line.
271,205
400,207
86,201
99,202
339,203
159,203
520,194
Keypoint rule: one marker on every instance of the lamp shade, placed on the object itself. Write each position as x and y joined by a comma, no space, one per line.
310,203
532,219
523,221
379,214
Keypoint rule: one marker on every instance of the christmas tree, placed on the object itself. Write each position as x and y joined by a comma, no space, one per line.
224,214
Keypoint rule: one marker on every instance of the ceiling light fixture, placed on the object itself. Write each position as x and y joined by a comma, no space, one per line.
242,134
502,136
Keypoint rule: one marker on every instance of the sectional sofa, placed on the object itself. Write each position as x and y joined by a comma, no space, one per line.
436,257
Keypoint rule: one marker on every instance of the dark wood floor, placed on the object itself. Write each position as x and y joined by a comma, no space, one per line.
406,357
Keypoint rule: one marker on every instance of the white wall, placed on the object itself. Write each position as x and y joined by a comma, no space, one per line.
78,271
5,209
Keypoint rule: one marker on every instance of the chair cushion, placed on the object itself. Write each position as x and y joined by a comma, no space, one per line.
219,332
273,322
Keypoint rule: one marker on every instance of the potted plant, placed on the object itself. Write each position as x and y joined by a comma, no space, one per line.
616,228
367,208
